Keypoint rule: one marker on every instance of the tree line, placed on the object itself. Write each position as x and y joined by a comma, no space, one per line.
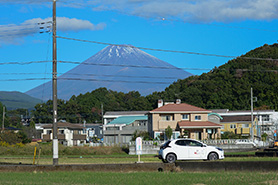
224,87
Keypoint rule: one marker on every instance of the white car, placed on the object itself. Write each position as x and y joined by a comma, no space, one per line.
188,149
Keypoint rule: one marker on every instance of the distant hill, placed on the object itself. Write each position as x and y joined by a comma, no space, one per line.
14,99
118,68
228,86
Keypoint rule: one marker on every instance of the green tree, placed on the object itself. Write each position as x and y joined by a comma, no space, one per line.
143,134
168,132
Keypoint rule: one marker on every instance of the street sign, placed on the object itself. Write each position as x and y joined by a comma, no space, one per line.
138,146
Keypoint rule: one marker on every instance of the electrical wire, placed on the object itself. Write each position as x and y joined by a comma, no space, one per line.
166,50
23,63
94,75
80,79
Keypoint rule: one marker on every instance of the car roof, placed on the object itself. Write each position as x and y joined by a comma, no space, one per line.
187,139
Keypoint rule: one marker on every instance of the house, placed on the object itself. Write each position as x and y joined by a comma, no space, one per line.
184,119
121,129
240,122
94,132
68,134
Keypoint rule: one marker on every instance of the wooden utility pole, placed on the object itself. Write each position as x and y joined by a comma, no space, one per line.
3,121
252,118
54,87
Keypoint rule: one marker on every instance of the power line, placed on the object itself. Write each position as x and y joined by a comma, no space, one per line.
94,75
124,81
100,64
166,50
80,79
135,66
23,63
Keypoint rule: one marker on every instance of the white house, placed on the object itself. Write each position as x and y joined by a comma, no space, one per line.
68,134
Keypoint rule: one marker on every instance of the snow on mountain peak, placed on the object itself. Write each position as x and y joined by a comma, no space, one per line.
120,50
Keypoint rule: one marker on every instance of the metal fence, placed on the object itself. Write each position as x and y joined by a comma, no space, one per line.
208,142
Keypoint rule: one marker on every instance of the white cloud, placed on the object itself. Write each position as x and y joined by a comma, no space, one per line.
13,34
195,10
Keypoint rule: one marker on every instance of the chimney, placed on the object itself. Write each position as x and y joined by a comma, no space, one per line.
178,101
160,103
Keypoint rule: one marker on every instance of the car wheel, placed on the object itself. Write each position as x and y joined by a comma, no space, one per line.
212,156
171,158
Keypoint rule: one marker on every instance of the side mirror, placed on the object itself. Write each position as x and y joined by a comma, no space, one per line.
204,145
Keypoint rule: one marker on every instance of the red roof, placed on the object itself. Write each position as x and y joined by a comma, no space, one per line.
198,124
183,107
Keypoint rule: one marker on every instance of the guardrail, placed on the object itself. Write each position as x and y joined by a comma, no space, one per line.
208,142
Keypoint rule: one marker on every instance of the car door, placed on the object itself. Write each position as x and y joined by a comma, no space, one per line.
180,149
196,150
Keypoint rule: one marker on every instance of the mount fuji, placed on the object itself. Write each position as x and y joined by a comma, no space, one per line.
120,68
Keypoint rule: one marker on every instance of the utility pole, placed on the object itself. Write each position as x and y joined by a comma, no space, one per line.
54,87
253,99
3,121
252,124
102,113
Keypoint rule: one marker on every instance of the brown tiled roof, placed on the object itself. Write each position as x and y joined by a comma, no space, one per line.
65,125
183,107
243,118
198,124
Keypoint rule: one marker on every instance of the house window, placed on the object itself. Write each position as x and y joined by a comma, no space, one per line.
198,117
113,128
185,116
142,123
233,126
61,132
166,117
265,117
49,131
245,125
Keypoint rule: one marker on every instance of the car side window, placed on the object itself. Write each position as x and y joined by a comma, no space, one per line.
194,143
181,143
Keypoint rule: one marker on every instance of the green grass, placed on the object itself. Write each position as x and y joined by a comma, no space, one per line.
96,159
98,178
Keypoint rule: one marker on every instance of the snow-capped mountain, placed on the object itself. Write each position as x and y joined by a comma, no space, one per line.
120,68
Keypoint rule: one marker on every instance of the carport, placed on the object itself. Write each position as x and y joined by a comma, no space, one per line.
200,130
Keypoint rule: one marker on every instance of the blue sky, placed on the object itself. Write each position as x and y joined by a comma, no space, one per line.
222,27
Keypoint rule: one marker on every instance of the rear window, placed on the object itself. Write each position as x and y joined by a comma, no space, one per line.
165,145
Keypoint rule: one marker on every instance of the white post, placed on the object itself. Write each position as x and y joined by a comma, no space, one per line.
138,147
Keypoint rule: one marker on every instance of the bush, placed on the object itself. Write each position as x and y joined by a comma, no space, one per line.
47,149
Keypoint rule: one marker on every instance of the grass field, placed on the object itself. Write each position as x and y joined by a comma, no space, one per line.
148,178
97,159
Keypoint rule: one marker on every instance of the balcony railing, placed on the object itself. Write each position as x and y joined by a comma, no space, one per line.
79,137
